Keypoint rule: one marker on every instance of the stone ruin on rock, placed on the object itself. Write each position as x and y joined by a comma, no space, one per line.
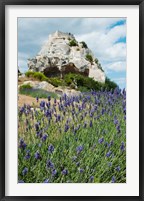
62,54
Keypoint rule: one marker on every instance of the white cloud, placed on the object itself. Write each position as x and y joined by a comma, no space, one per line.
119,66
22,61
105,46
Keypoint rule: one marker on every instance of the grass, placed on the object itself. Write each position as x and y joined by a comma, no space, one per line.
40,93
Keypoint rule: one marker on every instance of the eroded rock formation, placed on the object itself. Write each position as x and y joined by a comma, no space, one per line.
62,54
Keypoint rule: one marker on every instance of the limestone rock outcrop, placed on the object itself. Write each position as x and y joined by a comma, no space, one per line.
62,54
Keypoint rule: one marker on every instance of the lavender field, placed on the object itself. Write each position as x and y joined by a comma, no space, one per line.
79,139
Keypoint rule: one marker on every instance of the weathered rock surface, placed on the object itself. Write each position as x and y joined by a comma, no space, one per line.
62,54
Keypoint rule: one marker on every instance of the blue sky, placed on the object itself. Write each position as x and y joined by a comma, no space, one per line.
106,37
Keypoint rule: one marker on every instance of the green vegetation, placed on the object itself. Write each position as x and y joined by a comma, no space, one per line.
37,75
89,58
84,44
86,83
83,83
98,64
73,43
100,67
110,84
25,86
40,93
55,81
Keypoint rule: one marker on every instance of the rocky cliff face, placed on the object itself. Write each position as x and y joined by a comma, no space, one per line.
62,54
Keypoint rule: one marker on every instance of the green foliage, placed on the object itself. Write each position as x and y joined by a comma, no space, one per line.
40,93
73,43
87,83
89,58
96,61
110,84
70,79
56,81
84,44
37,75
100,67
25,86
98,64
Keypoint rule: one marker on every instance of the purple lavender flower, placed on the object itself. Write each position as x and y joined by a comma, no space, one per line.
24,172
118,128
108,154
49,98
91,178
66,127
37,155
51,149
46,181
39,134
122,147
21,181
118,168
49,164
37,126
54,172
79,149
37,99
58,117
100,141
22,110
44,137
81,170
110,144
115,120
91,124
42,104
113,179
27,156
102,111
22,144
65,172
48,104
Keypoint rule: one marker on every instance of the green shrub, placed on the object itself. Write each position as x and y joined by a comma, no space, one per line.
37,75
73,43
86,83
100,67
55,81
110,84
89,58
29,73
84,44
96,61
25,86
